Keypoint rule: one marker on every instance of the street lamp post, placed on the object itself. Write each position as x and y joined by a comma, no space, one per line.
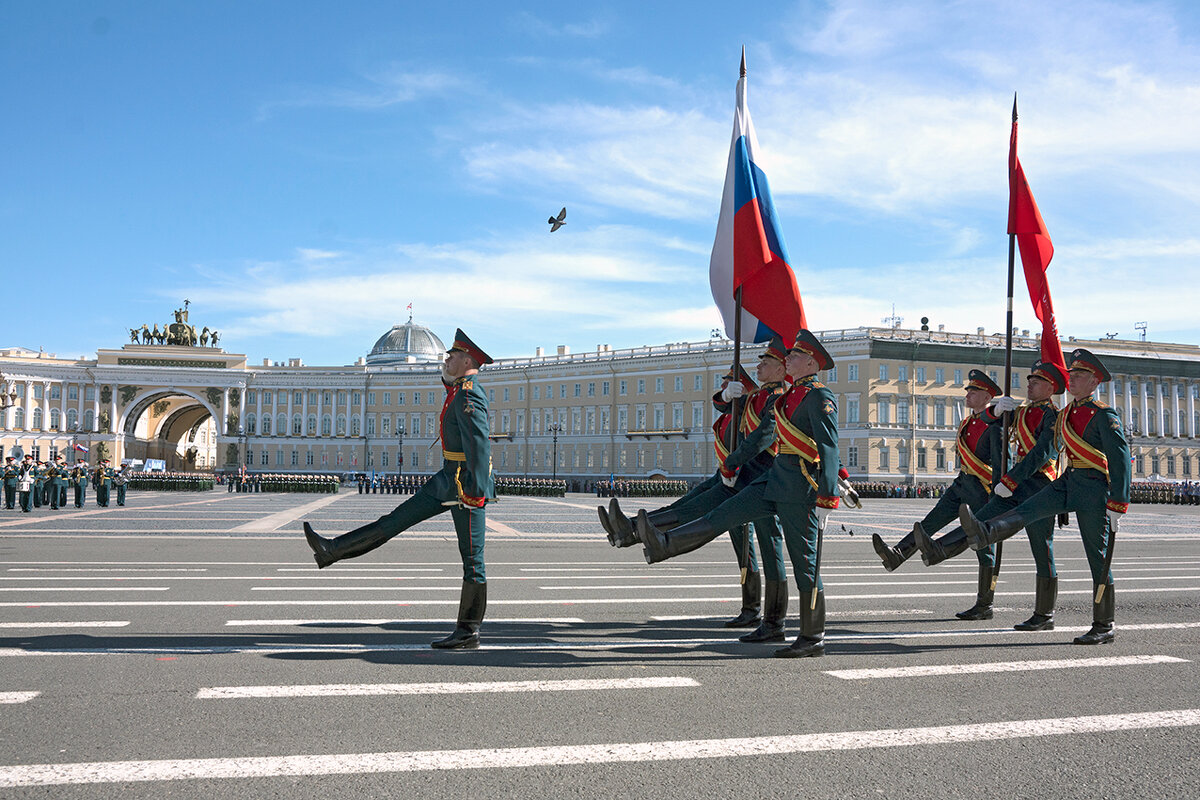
555,428
400,431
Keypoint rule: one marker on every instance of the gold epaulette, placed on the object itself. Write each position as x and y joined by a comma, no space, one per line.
1098,403
817,385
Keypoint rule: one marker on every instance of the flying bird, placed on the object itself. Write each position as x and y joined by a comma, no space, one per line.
559,221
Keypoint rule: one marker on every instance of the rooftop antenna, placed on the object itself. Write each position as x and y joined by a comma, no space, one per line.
1141,326
893,321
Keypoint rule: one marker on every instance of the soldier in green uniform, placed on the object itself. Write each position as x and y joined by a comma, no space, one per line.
800,488
1037,452
79,479
102,480
25,482
1095,486
12,474
120,478
464,485
981,456
53,478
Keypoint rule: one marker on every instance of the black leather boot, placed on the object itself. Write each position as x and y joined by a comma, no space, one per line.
752,599
775,604
893,557
811,641
618,536
983,597
1102,618
472,604
1046,593
658,545
348,545
982,534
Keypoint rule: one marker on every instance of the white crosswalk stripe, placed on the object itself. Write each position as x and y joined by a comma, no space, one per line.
607,753
999,666
491,687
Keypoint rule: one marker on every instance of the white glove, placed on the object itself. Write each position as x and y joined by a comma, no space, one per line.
1002,491
822,515
728,481
734,390
1004,404
1114,519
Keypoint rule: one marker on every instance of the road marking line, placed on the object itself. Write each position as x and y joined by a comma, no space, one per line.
492,639
105,624
100,569
277,520
500,527
366,569
17,697
581,601
999,666
608,753
879,612
86,589
488,687
333,622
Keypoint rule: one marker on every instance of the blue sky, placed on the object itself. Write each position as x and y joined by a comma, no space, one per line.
303,171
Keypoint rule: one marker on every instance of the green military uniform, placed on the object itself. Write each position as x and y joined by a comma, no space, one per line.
39,484
12,474
55,476
120,478
463,485
102,480
802,479
79,479
1095,486
25,483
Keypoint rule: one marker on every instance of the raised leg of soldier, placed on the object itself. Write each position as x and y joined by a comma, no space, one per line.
745,506
1041,543
799,522
469,524
742,538
943,512
1045,505
418,508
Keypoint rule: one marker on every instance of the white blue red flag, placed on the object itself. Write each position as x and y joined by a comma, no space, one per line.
80,448
749,251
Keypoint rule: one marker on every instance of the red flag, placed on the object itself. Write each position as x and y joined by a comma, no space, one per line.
1025,221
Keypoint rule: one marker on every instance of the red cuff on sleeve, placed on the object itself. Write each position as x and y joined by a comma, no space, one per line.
728,473
1009,482
828,502
1113,505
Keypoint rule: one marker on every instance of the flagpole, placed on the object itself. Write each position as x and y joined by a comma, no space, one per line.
1008,344
738,403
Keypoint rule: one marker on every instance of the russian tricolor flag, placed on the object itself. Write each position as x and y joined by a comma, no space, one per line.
749,251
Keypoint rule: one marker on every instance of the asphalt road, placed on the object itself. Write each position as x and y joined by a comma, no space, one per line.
186,646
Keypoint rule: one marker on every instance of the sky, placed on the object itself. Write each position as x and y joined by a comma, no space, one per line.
303,171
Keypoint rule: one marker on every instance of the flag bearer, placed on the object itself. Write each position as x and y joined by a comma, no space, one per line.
1095,486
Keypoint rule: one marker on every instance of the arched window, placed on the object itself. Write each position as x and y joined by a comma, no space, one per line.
326,425
19,418
1135,419
341,425
297,425
37,419
281,427
89,420
312,424
266,428
251,424
55,419
354,426
72,419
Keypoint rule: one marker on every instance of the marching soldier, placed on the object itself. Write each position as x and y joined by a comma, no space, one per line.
39,484
79,479
12,474
119,480
980,456
800,488
54,478
25,482
102,480
1035,467
464,485
1095,486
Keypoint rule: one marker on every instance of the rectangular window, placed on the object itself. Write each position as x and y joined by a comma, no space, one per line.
295,458
537,393
939,374
902,411
940,456
852,410
958,377
883,372
939,413
416,398
520,394
920,374
370,398
506,394
577,387
885,458
922,415
698,384
921,458
831,375
852,372
72,392
387,398
902,373
679,383
885,411
605,388
383,458
591,390
623,388
562,391
266,458
852,457
429,397
658,385
641,386
902,459
697,415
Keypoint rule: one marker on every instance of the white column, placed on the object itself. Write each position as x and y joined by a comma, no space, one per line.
44,405
112,410
349,405
82,392
1160,405
304,412
362,414
1145,406
1128,406
96,407
62,407
320,409
1175,426
1191,412
223,425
